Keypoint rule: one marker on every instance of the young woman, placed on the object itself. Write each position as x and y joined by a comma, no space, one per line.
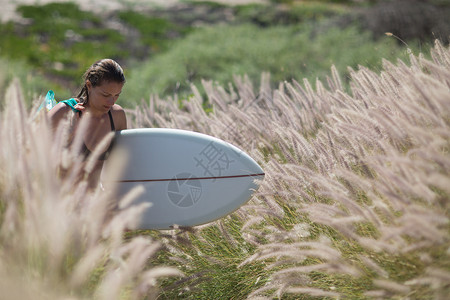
96,105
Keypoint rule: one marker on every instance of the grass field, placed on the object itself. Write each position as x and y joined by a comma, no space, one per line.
355,202
355,199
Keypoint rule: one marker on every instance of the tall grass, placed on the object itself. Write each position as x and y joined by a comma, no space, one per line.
355,202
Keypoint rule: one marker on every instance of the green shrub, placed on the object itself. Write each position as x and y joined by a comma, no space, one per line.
269,15
293,52
32,82
60,39
67,10
155,32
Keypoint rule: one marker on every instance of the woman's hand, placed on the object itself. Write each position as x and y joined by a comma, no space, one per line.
80,107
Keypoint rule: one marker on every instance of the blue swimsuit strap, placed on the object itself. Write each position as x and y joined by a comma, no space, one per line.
71,102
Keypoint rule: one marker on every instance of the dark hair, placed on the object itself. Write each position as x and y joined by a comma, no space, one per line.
101,71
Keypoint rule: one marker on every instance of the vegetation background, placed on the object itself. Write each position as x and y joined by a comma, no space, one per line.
343,212
165,49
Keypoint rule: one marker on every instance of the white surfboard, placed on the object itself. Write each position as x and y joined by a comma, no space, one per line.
190,178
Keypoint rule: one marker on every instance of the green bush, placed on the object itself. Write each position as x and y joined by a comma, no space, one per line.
155,32
60,39
32,82
269,15
219,53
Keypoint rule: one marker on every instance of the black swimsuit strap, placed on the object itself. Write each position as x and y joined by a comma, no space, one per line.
113,128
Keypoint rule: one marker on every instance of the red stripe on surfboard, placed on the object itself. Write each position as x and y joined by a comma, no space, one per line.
193,178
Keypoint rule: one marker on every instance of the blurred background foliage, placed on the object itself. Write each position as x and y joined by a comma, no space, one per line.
165,50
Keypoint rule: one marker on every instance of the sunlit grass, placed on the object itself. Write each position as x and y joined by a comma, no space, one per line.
350,205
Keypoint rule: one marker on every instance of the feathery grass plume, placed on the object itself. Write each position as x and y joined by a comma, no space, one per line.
440,55
335,83
436,278
58,239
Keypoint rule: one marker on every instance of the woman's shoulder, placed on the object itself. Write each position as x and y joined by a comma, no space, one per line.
59,112
119,116
116,108
59,109
66,105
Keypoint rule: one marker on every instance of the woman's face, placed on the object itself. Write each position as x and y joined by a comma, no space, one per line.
102,97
